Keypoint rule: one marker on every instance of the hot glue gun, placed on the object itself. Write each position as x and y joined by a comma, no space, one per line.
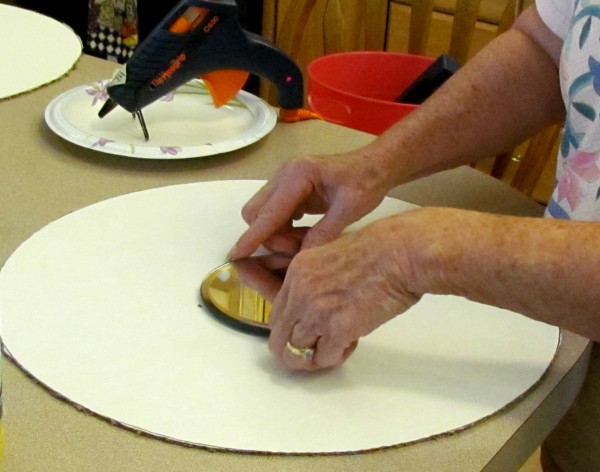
203,38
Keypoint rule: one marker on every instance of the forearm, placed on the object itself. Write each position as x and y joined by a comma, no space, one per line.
499,98
545,269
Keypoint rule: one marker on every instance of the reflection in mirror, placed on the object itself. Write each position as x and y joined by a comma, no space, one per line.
239,293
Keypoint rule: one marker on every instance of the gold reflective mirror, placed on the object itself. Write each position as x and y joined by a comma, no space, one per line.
239,293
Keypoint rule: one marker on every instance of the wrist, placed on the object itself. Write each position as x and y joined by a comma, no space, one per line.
432,249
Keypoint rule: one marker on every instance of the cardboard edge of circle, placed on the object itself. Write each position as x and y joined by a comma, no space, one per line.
70,61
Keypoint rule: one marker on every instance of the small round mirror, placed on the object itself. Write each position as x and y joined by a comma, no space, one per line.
239,293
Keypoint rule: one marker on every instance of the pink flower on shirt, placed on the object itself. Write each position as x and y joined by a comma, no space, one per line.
578,171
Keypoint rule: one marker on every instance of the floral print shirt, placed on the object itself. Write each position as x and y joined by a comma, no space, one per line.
577,191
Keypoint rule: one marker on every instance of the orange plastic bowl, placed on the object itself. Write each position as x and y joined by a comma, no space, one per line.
358,89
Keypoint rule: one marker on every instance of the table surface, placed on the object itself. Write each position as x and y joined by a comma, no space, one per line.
43,177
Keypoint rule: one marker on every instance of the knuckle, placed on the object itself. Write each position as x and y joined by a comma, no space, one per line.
267,211
342,327
306,329
300,163
248,212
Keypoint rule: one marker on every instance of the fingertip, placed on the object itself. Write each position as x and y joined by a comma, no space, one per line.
239,250
236,252
232,254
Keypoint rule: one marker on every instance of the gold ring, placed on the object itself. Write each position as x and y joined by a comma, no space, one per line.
306,353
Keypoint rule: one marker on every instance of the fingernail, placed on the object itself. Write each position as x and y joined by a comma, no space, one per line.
231,254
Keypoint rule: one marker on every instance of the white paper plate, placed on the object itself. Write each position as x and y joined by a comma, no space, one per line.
102,307
35,50
184,124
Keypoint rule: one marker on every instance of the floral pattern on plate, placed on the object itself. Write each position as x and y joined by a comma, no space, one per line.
183,124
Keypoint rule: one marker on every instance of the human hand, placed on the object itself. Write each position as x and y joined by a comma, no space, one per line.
337,292
263,274
342,187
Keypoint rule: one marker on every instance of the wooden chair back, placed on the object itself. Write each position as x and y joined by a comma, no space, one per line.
466,14
307,29
522,168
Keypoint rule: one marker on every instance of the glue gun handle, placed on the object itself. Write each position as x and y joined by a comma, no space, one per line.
271,63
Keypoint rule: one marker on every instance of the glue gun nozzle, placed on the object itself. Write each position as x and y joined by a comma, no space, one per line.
108,106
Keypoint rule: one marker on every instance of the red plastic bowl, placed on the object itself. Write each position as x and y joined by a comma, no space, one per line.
358,89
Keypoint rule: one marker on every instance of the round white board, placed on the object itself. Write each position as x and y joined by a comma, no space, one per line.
102,307
36,50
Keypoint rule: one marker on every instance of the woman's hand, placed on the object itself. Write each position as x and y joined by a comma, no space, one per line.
337,292
342,187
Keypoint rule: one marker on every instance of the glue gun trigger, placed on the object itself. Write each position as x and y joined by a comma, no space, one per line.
224,85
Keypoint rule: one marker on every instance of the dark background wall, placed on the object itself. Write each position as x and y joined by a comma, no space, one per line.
75,12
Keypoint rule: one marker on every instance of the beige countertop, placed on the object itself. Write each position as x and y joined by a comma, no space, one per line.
43,177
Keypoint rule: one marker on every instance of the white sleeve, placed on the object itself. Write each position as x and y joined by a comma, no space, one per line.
556,14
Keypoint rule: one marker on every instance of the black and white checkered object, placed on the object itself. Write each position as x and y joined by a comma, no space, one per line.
106,43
